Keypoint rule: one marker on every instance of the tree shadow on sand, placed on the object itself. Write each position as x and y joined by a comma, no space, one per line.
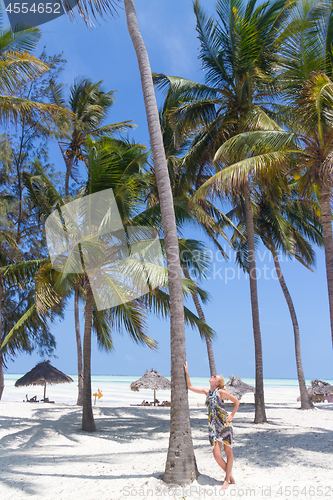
264,444
261,444
115,424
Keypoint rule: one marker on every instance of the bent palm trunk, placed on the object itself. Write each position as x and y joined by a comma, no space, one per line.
306,403
88,423
260,413
79,348
210,352
326,219
181,466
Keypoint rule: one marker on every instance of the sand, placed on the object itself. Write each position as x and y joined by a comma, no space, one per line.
45,455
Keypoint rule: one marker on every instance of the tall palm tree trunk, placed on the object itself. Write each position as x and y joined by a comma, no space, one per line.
326,219
88,423
78,347
181,465
69,165
210,352
2,377
260,413
306,403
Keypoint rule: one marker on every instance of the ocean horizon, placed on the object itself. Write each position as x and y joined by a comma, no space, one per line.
116,390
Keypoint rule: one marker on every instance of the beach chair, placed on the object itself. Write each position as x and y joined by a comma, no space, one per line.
31,400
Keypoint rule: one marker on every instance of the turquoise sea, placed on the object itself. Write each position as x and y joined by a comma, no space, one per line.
116,390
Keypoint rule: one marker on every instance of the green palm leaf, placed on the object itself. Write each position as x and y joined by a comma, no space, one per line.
17,68
13,107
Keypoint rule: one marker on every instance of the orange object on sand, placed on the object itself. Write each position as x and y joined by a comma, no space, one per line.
97,394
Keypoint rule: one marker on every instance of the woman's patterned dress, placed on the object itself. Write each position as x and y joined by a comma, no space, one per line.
219,429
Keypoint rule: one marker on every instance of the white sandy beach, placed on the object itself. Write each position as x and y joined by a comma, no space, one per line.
44,454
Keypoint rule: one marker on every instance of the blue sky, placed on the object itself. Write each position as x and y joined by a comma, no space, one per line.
106,52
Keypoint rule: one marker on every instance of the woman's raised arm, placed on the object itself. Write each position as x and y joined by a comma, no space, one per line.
190,386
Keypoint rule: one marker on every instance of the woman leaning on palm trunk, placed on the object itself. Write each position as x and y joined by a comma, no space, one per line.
219,422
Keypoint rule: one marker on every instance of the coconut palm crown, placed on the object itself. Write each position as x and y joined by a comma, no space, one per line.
305,80
229,114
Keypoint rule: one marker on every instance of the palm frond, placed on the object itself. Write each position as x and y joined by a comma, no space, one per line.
22,272
250,143
17,68
11,108
16,329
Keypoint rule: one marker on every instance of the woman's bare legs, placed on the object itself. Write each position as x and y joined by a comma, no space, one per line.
230,461
220,461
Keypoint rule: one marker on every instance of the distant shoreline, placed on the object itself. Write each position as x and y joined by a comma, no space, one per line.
116,391
135,377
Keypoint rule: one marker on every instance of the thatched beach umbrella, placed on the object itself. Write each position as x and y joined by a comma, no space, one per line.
152,380
43,373
319,390
237,388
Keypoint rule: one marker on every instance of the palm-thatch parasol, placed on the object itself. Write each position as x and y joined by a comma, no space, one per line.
152,380
319,391
43,373
237,388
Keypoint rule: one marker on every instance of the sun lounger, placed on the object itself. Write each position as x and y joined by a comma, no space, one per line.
31,400
144,403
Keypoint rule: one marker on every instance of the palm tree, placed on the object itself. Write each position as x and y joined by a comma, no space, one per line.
44,194
240,54
307,84
181,466
89,105
176,371
185,177
117,166
79,401
284,224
